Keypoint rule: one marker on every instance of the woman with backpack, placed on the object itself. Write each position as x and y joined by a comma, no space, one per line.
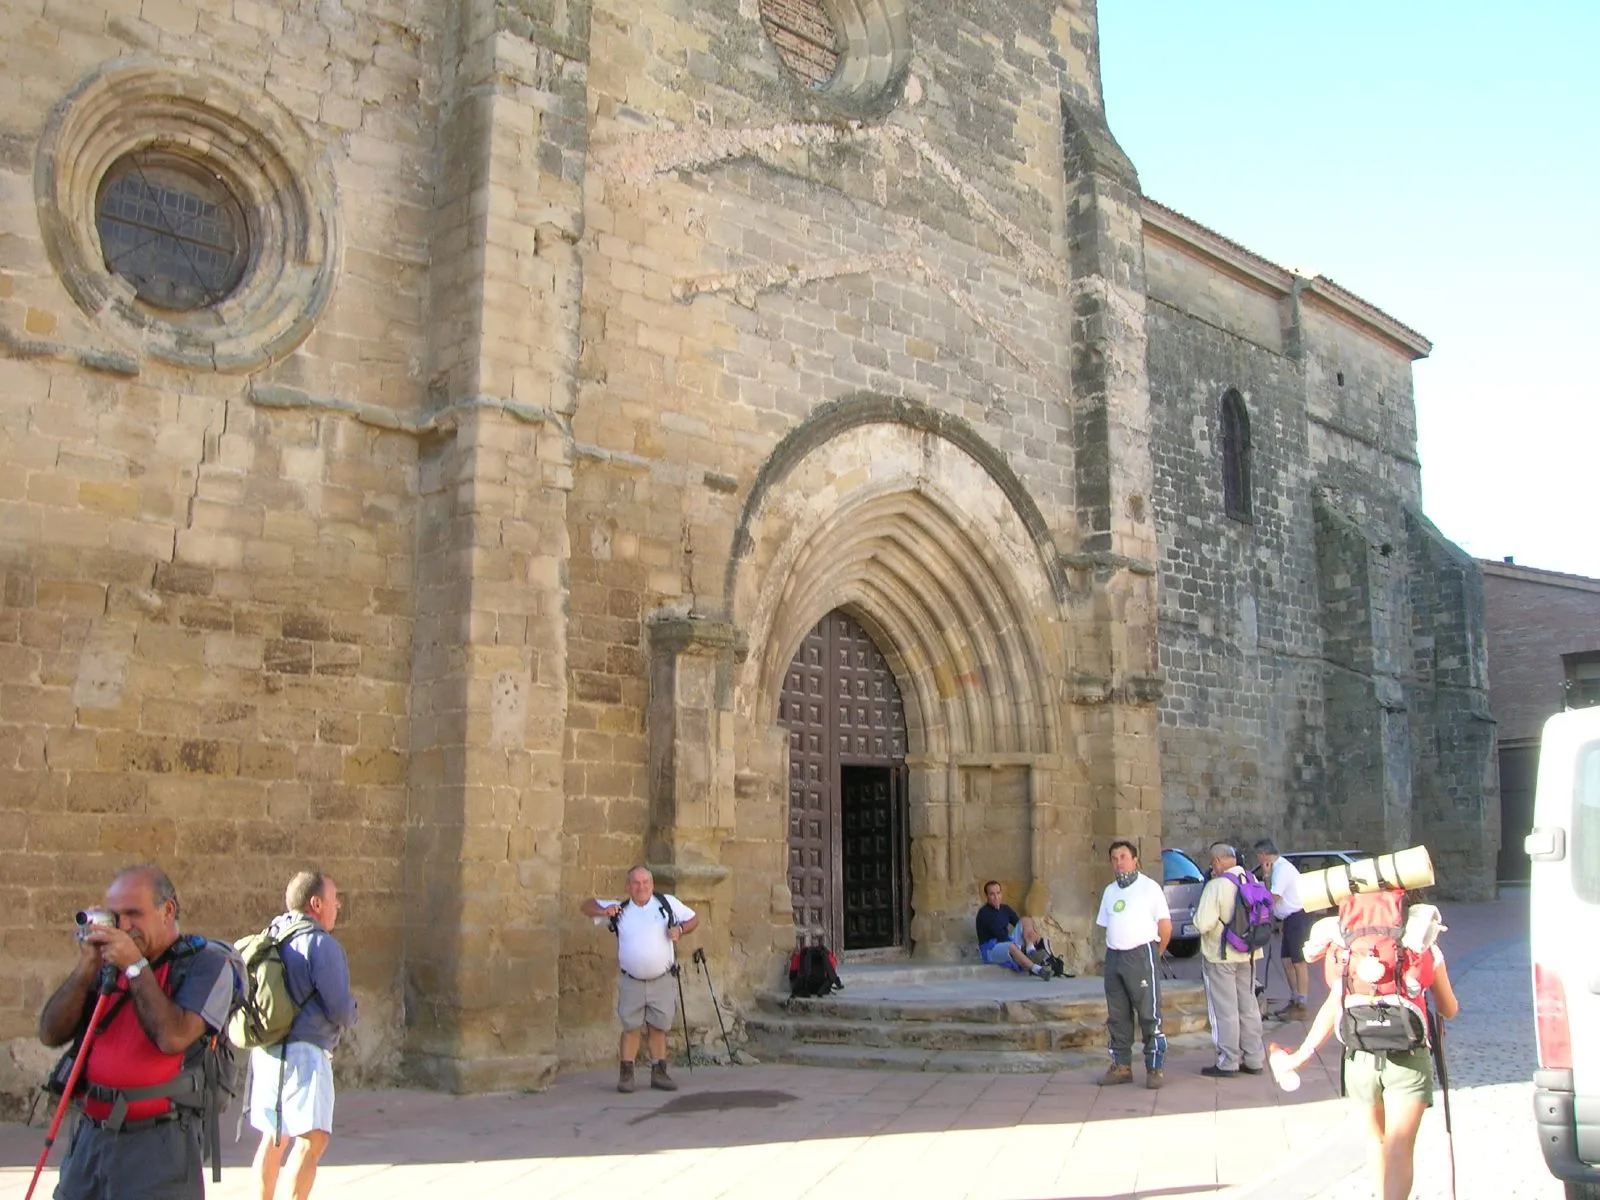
1379,992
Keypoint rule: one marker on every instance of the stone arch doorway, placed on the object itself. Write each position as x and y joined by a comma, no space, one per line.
849,842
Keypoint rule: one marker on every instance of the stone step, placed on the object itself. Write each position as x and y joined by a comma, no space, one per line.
1066,1000
926,1035
1007,1062
987,1022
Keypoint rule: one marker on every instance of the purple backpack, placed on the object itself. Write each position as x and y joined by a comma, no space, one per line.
1250,927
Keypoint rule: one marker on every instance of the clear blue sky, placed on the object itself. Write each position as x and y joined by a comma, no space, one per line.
1442,161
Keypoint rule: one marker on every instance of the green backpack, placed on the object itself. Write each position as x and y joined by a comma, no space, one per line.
268,1009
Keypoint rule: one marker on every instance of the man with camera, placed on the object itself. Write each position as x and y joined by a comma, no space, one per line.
168,993
291,1088
648,927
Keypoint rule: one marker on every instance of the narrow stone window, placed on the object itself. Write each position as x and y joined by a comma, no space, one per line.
173,229
1235,457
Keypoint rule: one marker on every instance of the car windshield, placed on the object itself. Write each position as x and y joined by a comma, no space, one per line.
1178,867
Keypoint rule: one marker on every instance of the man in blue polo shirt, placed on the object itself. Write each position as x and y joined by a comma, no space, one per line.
1007,940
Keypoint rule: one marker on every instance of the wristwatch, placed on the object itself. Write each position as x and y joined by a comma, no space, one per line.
134,970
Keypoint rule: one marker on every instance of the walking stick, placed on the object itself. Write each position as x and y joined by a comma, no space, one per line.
700,961
688,1056
72,1077
1444,1090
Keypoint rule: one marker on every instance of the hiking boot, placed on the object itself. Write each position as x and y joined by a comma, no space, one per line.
1251,1070
659,1078
1292,1012
1218,1073
1118,1073
1153,1078
625,1077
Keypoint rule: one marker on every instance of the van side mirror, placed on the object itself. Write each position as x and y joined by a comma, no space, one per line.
1546,845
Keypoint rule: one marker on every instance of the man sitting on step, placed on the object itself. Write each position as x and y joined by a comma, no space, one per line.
1007,940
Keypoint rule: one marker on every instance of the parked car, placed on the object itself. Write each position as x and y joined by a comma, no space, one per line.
1563,929
1318,860
1182,881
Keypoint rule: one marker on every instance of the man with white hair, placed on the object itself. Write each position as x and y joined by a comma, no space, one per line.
1229,973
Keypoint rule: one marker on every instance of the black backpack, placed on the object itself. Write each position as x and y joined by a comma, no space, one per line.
209,1078
813,971
666,911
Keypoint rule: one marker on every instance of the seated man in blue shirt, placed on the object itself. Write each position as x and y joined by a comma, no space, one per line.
1007,940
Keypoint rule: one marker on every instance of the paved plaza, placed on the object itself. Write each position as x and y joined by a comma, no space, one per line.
774,1132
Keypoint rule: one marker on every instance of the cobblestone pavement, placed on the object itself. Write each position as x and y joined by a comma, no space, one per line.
1490,1055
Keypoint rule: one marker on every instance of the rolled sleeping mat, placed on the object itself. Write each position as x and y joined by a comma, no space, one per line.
1403,869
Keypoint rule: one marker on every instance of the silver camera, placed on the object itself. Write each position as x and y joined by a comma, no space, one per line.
94,918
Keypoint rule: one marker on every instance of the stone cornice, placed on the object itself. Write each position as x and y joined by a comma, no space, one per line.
446,420
696,635
1104,560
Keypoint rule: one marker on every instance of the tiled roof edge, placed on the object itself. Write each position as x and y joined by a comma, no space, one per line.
1224,250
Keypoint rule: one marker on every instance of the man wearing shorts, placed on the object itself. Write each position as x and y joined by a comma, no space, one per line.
1283,881
648,927
1007,940
291,1084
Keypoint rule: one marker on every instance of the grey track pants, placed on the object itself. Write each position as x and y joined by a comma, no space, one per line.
1133,989
1235,1015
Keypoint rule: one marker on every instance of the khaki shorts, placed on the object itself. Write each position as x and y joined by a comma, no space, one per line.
1369,1079
649,1002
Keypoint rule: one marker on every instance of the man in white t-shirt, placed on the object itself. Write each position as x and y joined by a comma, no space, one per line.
1138,926
648,927
1283,881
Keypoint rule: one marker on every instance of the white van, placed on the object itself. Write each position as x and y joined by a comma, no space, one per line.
1564,931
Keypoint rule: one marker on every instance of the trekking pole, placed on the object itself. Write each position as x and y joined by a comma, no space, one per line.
108,985
1444,1091
700,961
688,1056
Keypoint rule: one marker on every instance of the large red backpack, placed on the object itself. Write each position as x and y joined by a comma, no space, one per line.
1385,984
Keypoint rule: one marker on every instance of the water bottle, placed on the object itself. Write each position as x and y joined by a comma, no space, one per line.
1278,1059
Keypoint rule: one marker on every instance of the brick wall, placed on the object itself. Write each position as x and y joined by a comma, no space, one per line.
1533,618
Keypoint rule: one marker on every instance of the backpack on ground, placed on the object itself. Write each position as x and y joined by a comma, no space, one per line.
209,1078
268,1010
813,971
1385,983
1250,927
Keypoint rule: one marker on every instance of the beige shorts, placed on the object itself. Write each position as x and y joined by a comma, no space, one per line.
646,1001
1370,1080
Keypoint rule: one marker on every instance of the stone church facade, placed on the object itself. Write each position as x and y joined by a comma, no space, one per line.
476,448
